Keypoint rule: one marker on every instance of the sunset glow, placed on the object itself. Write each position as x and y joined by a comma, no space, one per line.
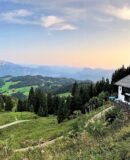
79,33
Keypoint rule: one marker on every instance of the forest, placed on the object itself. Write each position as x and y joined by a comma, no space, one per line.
84,98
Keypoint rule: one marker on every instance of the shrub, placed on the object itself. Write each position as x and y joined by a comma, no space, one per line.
97,129
113,114
77,127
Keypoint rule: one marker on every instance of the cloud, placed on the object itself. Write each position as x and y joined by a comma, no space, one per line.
16,16
67,14
56,23
50,21
45,2
118,12
76,13
23,16
103,19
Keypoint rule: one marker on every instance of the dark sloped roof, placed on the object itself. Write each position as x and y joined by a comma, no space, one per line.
125,82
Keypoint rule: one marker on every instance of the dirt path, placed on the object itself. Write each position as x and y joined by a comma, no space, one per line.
13,123
99,115
38,146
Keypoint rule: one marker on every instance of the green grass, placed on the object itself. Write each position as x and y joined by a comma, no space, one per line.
67,94
115,145
29,133
5,89
50,84
41,128
8,117
24,90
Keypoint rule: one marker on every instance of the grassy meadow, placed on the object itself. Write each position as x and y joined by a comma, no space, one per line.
30,133
8,117
67,94
98,141
5,89
37,131
22,84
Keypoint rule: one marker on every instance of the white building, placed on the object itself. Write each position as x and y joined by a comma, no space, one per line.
124,89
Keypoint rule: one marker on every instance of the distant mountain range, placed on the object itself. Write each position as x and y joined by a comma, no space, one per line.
8,68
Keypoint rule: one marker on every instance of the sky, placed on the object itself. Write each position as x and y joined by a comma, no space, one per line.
79,33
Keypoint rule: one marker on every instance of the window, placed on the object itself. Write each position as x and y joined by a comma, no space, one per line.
127,98
125,90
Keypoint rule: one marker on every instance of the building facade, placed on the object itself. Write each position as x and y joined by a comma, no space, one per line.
124,90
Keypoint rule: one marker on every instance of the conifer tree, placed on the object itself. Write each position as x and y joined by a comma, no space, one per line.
38,100
50,104
1,103
55,104
75,89
31,100
44,104
20,106
40,103
41,111
9,104
62,111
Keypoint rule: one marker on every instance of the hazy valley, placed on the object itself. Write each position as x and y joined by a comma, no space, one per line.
8,68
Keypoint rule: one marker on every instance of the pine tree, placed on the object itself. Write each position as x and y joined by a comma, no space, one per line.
108,87
62,111
38,99
75,89
25,106
40,102
41,111
50,104
90,92
31,100
44,104
9,104
20,106
55,104
1,103
75,104
84,95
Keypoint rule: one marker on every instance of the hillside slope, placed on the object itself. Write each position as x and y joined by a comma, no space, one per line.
98,141
20,86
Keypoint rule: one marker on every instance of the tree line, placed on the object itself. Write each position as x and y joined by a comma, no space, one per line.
120,73
84,98
6,103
